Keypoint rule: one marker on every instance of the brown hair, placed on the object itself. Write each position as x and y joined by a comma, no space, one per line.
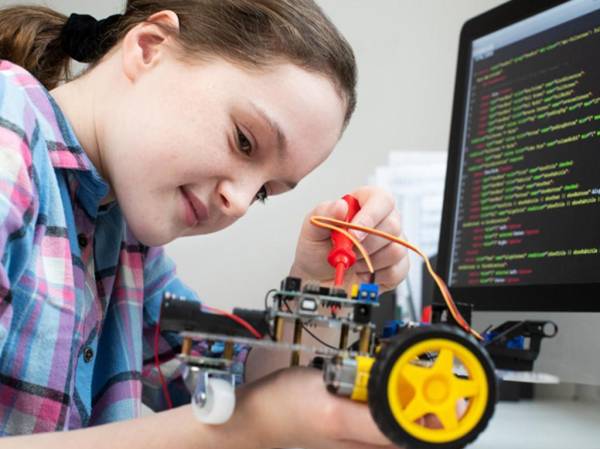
254,32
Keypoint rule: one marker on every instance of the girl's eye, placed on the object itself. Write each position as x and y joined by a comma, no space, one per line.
245,146
244,143
262,194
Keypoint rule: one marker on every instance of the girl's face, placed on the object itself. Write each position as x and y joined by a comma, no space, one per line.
190,147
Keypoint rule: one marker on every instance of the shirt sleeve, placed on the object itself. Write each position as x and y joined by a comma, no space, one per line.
17,204
159,278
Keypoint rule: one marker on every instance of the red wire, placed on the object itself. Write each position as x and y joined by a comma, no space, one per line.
163,383
235,318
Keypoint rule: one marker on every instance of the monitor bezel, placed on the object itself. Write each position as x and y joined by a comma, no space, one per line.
550,297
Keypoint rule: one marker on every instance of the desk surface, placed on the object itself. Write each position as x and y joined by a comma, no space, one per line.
542,424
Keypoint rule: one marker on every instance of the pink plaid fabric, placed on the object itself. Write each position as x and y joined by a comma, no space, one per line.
79,295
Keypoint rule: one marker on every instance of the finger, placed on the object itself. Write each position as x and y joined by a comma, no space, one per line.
376,205
389,255
335,209
392,225
431,420
389,277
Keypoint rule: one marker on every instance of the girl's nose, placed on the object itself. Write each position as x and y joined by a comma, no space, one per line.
234,200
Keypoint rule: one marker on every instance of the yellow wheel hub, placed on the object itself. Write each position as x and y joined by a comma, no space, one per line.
436,389
416,390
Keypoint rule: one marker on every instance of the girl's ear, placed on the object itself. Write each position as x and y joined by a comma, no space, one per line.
145,44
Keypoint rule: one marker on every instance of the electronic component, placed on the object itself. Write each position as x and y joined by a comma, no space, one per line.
312,288
391,328
308,306
362,313
365,371
368,292
180,314
338,292
291,284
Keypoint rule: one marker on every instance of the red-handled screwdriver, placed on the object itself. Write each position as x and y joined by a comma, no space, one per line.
341,256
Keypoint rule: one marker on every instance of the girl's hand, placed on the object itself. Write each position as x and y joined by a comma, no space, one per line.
293,408
390,260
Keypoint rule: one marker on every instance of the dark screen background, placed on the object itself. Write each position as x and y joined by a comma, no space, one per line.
529,194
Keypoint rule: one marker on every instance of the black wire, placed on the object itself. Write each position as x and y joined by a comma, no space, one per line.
319,340
309,332
267,297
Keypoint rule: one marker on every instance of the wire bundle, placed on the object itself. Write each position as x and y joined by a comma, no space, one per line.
339,226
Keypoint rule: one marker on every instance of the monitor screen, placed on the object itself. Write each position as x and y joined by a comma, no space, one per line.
525,187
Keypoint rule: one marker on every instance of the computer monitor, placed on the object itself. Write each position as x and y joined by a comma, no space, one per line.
521,218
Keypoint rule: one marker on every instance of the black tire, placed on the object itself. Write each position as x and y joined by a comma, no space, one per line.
382,367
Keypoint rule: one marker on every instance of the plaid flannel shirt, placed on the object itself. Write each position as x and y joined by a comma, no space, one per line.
79,295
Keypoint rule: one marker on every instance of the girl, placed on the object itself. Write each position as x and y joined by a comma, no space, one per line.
189,112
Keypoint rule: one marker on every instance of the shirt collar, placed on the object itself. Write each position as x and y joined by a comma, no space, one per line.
67,153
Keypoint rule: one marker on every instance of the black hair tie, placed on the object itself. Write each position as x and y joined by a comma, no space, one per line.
86,39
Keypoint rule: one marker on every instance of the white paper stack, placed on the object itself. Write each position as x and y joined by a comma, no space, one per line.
416,179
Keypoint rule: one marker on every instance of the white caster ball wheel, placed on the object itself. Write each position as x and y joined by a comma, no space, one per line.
220,402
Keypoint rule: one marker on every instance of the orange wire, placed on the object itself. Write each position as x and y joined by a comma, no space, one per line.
330,223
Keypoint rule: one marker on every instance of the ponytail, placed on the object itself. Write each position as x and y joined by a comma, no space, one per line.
29,37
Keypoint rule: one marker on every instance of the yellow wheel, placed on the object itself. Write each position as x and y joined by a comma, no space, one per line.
432,387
